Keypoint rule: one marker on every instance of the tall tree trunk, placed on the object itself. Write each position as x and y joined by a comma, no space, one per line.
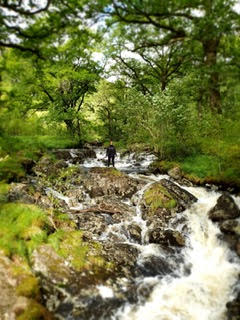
210,52
70,126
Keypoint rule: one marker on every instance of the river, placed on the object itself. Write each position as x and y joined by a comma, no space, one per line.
203,274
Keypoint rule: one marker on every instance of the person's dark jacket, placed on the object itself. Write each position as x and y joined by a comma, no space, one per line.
111,151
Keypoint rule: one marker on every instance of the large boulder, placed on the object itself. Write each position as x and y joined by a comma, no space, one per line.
109,181
164,199
183,198
231,234
124,257
161,202
224,209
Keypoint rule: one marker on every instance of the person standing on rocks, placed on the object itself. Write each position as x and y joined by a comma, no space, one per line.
111,152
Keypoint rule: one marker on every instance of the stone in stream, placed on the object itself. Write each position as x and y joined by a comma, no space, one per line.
135,232
231,234
161,201
109,181
233,309
166,237
224,209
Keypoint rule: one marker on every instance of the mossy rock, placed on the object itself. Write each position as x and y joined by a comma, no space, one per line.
35,311
29,287
108,172
161,166
158,197
83,256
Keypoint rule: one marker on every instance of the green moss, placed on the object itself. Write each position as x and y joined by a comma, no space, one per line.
29,287
108,172
35,311
115,172
82,255
11,170
158,197
163,166
22,228
4,188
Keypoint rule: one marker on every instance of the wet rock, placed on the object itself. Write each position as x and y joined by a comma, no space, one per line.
48,166
50,265
175,173
20,192
154,266
230,226
19,291
109,181
183,198
224,209
94,223
231,234
232,240
124,257
74,155
167,195
161,202
166,237
135,232
233,309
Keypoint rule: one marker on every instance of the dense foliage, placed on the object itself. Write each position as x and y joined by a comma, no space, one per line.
162,75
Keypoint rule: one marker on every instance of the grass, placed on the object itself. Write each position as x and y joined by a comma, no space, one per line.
201,165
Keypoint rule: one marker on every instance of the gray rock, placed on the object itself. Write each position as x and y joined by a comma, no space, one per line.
124,257
108,181
230,226
50,265
175,173
224,209
184,198
135,232
166,237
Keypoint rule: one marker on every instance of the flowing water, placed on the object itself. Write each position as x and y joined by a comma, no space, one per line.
201,277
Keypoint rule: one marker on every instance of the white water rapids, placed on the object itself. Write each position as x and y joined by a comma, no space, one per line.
203,294
200,294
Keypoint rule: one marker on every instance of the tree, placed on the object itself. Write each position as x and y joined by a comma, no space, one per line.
200,22
26,24
107,103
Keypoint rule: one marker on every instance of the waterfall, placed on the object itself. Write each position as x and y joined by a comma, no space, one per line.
191,283
203,294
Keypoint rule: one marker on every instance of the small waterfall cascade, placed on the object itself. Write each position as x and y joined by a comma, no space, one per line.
200,278
203,293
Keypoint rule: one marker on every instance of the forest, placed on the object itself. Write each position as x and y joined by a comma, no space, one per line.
157,237
159,75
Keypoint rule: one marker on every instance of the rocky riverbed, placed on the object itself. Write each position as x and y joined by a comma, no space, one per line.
121,244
